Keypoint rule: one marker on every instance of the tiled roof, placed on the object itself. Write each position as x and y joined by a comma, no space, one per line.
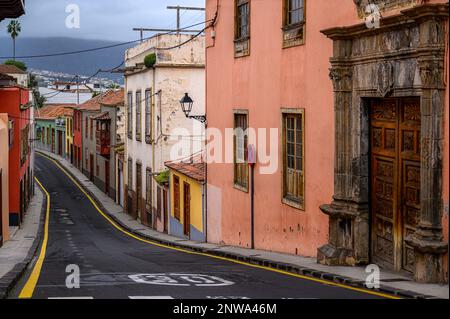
114,98
54,111
193,167
11,69
94,104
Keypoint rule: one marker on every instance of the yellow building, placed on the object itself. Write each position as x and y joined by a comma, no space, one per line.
69,137
187,198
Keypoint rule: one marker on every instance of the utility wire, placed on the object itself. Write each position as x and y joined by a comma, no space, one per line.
99,48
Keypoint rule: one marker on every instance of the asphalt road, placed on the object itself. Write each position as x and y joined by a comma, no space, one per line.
114,265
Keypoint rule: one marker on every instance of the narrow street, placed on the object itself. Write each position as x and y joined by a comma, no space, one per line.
111,262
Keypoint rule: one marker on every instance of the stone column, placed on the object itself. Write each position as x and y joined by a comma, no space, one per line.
427,241
347,218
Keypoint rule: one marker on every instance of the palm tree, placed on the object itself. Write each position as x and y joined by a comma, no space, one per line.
14,29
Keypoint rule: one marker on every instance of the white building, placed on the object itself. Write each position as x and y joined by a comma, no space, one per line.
155,121
53,96
20,76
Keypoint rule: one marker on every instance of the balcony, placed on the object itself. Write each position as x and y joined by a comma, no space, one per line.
103,135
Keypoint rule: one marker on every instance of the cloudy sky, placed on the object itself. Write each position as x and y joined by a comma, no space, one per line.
103,19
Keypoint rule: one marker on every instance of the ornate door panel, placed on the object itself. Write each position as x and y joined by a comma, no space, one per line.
410,181
395,179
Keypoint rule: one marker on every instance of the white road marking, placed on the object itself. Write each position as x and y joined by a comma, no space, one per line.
177,279
150,297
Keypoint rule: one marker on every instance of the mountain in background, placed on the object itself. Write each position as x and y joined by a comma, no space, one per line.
83,64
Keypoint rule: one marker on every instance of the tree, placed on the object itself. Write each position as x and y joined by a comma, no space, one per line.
14,29
113,86
20,65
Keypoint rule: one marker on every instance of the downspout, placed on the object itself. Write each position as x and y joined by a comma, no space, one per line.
153,144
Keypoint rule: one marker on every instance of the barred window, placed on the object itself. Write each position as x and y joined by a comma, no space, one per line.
242,19
294,11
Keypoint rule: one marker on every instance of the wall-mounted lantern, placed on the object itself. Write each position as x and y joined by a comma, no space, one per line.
186,106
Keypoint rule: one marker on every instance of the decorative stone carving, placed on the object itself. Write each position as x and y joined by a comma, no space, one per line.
385,78
405,45
383,5
342,78
431,74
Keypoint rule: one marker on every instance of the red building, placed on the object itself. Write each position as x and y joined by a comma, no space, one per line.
15,102
77,138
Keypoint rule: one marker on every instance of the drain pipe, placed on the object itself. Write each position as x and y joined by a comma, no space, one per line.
252,162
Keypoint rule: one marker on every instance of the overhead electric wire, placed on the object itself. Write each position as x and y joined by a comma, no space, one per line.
99,48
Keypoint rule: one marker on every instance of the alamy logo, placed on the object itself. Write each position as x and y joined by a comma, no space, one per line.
373,277
373,16
73,279
73,19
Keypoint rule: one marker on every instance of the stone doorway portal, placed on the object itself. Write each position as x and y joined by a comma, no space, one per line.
404,57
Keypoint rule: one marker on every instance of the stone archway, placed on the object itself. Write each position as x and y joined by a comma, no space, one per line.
403,58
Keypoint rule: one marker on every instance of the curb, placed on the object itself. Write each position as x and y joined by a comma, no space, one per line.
295,269
8,281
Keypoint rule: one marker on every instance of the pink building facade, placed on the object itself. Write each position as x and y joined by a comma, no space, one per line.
361,175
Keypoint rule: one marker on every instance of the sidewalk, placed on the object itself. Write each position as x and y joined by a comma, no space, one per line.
17,253
391,282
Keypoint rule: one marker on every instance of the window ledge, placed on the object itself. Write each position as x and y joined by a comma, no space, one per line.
240,188
293,203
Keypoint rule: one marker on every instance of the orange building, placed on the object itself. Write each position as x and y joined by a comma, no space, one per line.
362,159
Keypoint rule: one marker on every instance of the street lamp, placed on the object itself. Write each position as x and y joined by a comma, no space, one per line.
186,106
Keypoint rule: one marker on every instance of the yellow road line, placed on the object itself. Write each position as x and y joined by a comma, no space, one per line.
28,289
121,229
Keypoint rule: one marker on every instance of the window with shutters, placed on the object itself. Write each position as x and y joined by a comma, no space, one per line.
130,115
148,116
176,197
148,190
138,115
240,150
242,28
293,158
293,23
130,174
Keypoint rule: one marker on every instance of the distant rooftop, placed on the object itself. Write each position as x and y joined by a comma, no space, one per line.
10,69
193,167
54,111
109,98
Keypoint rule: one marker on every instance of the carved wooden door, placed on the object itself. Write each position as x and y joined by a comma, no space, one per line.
395,179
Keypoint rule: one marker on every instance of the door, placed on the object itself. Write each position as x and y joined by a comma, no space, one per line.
121,189
187,208
107,177
395,180
91,163
60,142
53,140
